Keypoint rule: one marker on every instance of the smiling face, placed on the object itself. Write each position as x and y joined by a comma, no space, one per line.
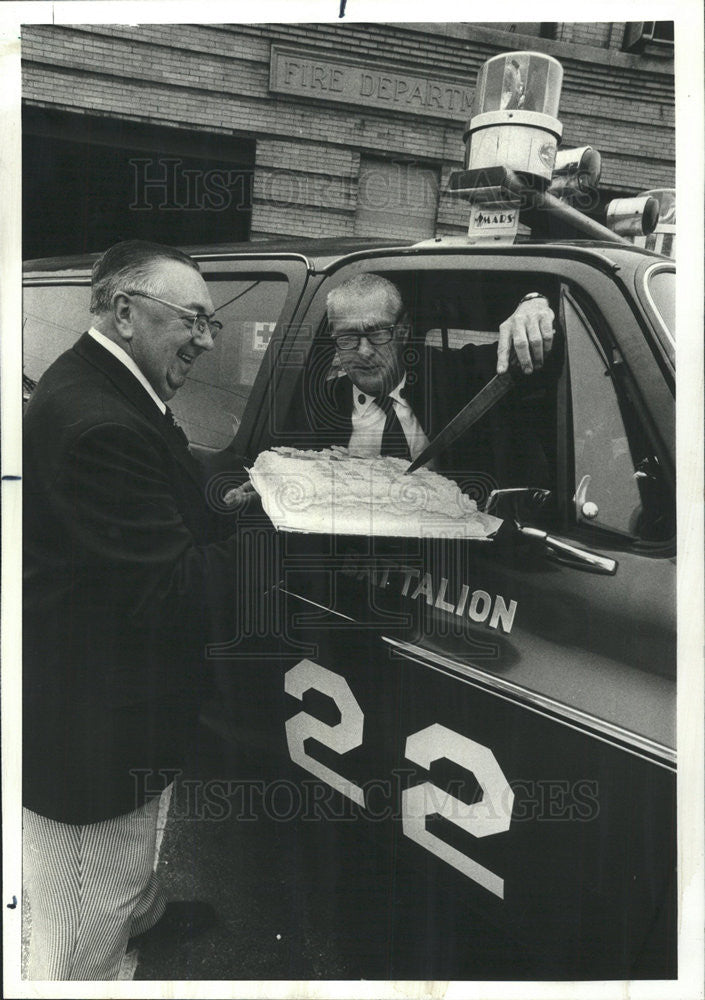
374,370
157,337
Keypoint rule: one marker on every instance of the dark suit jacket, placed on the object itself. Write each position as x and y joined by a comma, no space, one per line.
507,447
126,576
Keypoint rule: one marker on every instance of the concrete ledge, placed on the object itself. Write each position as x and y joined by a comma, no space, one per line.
561,50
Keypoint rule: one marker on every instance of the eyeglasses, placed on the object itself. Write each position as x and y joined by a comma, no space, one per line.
351,341
201,323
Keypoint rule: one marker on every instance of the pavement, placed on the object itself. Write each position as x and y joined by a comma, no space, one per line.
271,924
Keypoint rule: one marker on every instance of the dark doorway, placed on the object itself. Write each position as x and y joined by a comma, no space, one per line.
89,182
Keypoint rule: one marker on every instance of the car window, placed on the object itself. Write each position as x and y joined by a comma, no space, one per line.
618,482
210,404
54,317
661,286
454,338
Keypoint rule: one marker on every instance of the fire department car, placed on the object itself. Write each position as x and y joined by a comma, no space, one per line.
484,730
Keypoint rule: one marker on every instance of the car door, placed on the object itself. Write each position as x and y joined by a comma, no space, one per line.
502,714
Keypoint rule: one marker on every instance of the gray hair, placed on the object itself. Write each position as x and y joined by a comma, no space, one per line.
363,285
131,265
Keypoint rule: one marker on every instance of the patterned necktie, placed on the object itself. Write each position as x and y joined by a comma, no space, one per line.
174,427
394,441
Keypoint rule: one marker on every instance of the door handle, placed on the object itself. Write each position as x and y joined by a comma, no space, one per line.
569,554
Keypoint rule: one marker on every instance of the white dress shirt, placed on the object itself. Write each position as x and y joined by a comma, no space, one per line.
125,359
368,421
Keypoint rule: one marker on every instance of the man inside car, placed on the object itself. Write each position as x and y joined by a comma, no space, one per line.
397,394
393,394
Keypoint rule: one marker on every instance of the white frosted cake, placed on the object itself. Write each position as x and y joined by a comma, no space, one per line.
333,492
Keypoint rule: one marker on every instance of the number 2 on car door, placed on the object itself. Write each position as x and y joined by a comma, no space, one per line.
491,814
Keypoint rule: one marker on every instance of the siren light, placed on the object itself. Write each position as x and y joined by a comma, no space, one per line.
511,144
514,122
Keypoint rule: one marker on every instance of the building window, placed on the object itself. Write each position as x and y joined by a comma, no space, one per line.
656,35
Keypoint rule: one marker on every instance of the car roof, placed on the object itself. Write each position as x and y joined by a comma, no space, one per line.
318,251
323,253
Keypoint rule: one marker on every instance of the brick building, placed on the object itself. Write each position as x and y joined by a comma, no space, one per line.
205,133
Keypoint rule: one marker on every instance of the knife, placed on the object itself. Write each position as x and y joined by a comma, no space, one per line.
485,399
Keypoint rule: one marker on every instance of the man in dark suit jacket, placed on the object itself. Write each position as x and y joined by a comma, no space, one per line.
394,395
126,578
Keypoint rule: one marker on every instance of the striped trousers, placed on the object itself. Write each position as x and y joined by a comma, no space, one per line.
90,888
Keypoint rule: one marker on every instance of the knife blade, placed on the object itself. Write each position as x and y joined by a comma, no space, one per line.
485,399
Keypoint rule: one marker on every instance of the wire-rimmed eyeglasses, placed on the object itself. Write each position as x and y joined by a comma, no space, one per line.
201,322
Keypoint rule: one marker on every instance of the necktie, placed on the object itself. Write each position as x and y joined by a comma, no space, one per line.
394,442
174,427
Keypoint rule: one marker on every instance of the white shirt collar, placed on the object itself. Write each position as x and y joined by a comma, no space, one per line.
361,400
125,359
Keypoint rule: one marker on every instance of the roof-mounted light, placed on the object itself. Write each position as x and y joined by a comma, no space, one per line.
663,238
576,176
666,198
513,133
511,145
514,123
633,216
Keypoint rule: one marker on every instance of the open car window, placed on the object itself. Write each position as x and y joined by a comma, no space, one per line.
450,357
